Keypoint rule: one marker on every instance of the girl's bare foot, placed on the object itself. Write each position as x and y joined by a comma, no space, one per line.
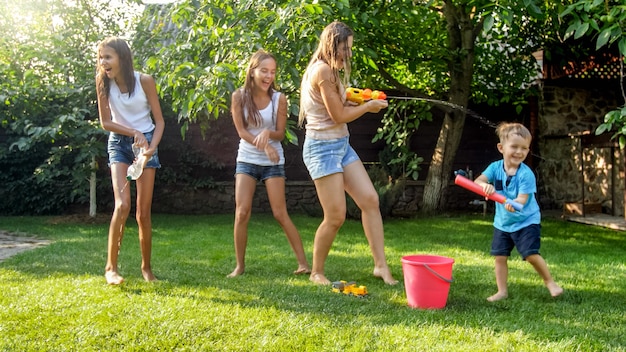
148,275
498,296
238,271
555,290
319,279
385,274
113,278
302,269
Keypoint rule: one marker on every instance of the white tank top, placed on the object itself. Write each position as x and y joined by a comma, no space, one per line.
133,111
247,152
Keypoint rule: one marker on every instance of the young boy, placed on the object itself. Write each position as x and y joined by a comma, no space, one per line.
521,229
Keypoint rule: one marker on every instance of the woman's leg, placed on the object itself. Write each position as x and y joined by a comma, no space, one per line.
245,186
331,193
360,188
276,194
143,215
121,192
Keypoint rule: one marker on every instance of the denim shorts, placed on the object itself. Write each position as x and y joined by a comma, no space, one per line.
258,172
324,157
120,149
527,241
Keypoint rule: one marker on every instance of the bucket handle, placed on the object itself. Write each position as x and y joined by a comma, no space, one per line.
438,275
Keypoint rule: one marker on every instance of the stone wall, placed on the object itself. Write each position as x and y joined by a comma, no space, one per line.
301,198
566,115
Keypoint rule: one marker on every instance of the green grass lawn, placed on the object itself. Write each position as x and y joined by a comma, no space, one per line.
55,298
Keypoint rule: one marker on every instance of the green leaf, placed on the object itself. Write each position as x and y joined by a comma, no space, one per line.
601,129
603,38
622,45
488,23
581,30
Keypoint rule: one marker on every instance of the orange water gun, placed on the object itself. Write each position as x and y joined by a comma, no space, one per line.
360,96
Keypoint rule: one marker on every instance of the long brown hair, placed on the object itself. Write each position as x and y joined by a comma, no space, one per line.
126,65
247,102
333,40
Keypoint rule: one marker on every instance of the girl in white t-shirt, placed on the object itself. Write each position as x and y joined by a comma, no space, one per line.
260,117
129,109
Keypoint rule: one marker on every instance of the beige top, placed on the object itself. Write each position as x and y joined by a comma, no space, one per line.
319,124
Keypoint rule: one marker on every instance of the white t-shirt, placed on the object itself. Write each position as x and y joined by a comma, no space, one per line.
247,152
133,111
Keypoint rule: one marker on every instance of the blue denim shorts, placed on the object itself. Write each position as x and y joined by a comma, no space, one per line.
258,172
324,157
120,149
527,241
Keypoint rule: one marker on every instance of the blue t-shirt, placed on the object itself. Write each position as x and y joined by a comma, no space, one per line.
523,182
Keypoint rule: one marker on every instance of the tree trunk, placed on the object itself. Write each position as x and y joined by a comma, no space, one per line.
461,37
441,164
92,188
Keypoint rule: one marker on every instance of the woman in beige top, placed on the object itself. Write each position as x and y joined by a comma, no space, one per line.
332,163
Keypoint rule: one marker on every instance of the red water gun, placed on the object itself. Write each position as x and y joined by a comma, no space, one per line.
496,197
360,96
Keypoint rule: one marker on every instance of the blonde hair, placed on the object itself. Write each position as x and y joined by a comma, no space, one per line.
506,129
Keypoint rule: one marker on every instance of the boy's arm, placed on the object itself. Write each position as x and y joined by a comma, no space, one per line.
522,198
488,188
483,182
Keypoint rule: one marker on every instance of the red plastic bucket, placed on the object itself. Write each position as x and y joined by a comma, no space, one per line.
427,280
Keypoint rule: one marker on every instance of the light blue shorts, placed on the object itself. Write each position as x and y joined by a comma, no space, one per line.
120,149
324,157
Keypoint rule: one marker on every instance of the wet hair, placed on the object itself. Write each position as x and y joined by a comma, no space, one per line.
333,40
103,82
247,103
506,129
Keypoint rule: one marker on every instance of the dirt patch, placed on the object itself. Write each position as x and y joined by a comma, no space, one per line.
14,243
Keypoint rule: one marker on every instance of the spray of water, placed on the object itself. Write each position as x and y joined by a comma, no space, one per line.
125,185
469,112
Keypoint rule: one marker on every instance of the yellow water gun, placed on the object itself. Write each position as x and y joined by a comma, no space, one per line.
360,96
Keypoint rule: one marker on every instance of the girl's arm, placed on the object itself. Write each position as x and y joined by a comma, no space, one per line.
236,111
278,133
339,112
149,87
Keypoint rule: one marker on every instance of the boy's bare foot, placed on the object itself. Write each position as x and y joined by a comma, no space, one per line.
385,274
319,279
148,275
113,278
236,272
555,290
497,297
302,269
